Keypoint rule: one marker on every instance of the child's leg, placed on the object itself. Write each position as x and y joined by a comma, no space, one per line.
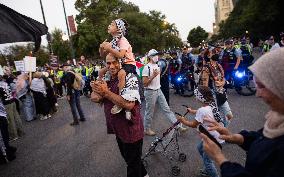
102,72
121,79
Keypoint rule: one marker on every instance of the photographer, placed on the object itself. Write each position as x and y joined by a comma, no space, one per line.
265,148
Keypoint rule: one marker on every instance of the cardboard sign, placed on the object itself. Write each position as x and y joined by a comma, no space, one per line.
30,64
20,65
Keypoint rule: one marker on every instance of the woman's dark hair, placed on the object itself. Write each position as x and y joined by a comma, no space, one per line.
215,57
207,93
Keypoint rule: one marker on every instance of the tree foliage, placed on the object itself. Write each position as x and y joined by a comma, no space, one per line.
18,52
260,17
146,31
60,47
196,36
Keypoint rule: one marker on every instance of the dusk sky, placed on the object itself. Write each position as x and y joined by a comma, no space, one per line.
186,14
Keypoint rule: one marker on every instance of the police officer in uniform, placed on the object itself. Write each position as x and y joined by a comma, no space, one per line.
231,58
164,68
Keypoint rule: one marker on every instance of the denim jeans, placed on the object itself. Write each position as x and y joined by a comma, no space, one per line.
224,109
207,162
151,97
75,105
28,107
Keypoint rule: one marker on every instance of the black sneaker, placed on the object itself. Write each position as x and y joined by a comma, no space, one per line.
12,149
82,120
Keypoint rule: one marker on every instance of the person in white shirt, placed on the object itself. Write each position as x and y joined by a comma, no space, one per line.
208,111
153,93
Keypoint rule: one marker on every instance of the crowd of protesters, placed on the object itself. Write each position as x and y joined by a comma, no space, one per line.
29,96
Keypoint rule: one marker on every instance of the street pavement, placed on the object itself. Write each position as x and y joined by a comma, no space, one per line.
53,148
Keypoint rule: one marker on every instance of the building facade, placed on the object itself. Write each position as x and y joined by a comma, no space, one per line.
223,8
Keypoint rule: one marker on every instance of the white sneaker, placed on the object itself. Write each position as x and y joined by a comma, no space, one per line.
146,175
43,118
48,116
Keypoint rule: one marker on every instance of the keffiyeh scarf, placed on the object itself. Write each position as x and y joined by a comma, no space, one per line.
212,104
121,32
130,91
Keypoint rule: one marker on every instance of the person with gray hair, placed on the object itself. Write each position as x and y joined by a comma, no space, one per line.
264,148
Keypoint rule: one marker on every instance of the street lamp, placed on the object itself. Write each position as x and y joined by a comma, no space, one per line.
70,40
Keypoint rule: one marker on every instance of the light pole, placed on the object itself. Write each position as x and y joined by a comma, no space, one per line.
68,32
47,35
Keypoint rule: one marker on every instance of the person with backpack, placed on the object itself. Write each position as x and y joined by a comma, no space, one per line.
74,84
153,94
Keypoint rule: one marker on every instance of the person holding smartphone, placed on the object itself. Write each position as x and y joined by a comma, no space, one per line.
265,147
204,95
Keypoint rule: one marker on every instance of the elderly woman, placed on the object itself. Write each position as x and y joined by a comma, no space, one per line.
24,95
265,148
38,88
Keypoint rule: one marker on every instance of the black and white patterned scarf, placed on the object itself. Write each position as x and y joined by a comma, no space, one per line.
212,104
121,32
130,91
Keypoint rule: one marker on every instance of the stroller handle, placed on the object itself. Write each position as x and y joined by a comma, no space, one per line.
170,129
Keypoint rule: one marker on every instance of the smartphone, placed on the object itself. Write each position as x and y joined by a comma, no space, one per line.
203,130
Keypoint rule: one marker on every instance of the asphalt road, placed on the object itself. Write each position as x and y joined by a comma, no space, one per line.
53,148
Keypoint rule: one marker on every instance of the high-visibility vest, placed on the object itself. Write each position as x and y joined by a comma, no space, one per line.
77,70
87,71
91,69
58,77
52,72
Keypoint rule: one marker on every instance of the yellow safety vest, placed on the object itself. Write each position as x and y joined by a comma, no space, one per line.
77,70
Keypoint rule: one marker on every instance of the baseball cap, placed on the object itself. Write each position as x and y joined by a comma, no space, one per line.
152,52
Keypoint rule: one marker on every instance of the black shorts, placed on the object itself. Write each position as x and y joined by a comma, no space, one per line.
129,68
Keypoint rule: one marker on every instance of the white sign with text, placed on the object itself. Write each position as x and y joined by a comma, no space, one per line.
30,64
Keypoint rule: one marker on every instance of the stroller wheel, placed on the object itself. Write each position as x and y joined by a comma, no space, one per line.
175,170
182,157
145,163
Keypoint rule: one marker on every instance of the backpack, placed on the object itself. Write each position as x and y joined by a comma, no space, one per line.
79,82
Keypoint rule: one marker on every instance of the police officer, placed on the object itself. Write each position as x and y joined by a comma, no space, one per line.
246,53
175,67
187,65
164,68
231,58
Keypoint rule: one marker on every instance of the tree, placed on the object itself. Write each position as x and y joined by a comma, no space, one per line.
260,17
60,47
146,31
18,52
196,36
